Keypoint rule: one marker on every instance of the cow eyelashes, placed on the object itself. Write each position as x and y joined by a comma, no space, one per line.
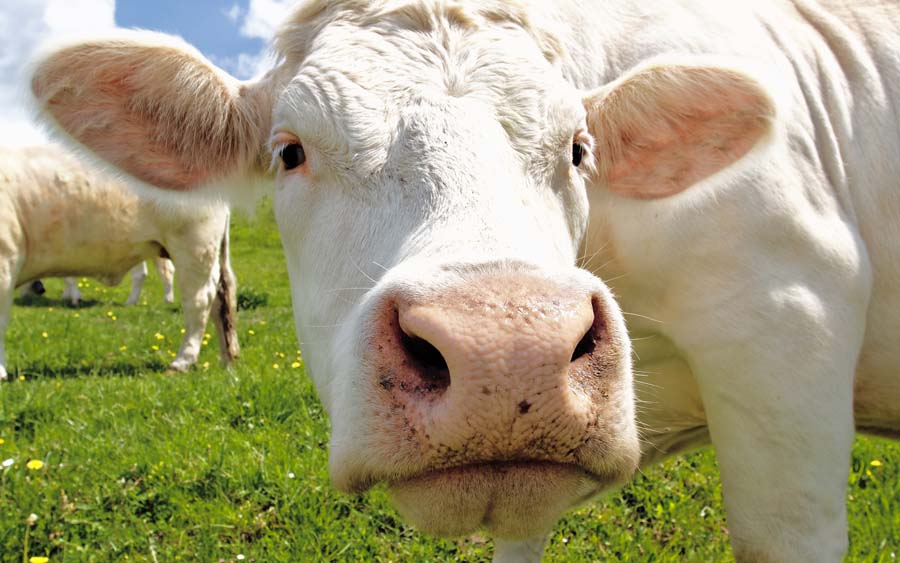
292,155
577,153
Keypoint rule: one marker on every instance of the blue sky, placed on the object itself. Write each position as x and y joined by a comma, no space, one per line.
231,33
205,23
234,34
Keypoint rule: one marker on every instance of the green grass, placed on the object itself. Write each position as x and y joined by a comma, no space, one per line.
140,465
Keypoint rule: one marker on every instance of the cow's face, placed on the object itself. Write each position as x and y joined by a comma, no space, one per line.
430,194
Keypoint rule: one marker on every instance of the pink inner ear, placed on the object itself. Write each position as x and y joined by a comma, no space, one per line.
158,113
663,130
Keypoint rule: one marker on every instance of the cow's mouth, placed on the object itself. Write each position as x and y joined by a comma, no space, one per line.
513,500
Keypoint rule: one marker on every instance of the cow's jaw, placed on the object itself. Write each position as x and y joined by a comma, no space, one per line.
511,500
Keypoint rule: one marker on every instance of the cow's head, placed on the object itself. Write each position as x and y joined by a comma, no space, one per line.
430,190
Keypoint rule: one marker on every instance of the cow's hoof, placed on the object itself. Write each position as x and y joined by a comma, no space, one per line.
3,376
179,366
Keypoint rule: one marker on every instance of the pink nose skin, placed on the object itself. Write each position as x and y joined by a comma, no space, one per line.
502,367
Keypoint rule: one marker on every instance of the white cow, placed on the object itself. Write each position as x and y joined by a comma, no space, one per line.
60,217
72,293
166,271
731,167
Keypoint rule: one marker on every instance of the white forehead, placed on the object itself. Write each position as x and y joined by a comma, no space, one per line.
360,72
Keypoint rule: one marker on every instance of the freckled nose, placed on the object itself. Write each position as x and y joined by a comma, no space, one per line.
495,368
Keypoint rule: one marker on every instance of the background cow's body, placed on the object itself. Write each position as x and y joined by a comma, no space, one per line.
762,286
62,218
72,294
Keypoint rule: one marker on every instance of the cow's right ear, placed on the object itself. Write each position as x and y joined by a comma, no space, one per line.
665,126
154,107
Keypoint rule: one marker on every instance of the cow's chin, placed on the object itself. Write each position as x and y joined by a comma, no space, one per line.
514,500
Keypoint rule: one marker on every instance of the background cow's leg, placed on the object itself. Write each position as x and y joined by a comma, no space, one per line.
7,292
224,308
197,277
778,391
525,551
9,272
166,271
71,293
138,275
34,288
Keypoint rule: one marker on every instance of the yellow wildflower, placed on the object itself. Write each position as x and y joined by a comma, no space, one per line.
44,334
275,366
21,378
109,313
123,347
876,463
2,441
155,348
115,318
295,365
34,464
251,332
159,336
38,559
205,365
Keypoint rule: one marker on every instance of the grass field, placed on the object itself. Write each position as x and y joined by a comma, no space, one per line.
216,465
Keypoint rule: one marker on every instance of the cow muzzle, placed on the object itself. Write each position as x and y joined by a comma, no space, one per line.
498,401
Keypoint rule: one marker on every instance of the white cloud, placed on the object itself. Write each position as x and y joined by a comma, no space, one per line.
233,13
24,25
84,16
260,21
264,17
246,65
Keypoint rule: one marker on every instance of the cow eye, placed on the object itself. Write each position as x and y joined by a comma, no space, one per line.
577,153
292,155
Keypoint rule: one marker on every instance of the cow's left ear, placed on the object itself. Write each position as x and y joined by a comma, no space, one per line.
664,127
154,107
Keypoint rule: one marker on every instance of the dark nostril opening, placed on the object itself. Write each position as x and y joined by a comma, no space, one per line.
594,333
432,365
586,345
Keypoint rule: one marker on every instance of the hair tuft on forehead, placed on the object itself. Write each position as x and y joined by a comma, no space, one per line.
292,41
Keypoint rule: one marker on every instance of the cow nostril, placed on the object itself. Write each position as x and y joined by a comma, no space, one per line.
586,345
592,336
431,363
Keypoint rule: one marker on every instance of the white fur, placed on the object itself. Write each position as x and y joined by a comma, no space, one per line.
763,299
